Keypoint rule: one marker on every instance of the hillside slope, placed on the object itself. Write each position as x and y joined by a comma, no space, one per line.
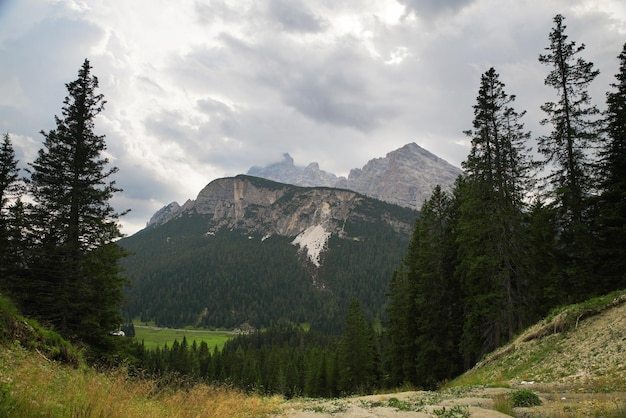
250,250
580,346
574,360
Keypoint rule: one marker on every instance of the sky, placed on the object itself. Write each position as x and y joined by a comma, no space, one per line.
198,90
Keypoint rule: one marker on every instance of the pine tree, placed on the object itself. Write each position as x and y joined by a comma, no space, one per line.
612,173
493,250
11,217
438,297
78,286
358,364
568,151
401,328
9,173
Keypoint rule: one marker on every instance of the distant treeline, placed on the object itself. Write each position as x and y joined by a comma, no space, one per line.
283,359
182,277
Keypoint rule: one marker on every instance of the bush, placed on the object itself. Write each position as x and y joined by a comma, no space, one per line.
525,398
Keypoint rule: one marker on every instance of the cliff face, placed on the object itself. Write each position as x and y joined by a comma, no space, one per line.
405,177
243,203
265,208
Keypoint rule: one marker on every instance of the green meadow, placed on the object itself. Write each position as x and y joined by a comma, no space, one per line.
154,337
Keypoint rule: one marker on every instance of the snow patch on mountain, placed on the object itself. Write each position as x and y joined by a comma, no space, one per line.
313,240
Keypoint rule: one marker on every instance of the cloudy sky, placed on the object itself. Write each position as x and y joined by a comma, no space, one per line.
198,90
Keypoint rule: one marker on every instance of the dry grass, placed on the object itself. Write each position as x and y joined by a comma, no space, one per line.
31,386
584,348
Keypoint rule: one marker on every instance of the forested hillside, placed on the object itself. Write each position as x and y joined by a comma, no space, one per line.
181,275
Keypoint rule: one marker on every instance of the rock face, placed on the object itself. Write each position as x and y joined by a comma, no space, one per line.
164,214
266,208
404,177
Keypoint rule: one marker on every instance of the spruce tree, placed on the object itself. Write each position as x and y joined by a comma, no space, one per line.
568,152
11,217
358,363
401,328
9,173
493,251
77,285
437,295
612,173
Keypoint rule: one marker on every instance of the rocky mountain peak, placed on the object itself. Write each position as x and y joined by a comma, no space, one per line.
404,177
164,214
286,172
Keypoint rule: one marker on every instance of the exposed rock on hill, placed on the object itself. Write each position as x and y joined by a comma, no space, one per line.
404,177
165,213
256,206
252,250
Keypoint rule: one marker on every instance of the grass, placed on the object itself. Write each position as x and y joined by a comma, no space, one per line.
32,386
503,404
158,337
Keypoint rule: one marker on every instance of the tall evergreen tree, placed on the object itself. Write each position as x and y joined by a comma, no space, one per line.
77,282
568,151
9,173
358,363
438,297
612,173
11,215
492,247
400,326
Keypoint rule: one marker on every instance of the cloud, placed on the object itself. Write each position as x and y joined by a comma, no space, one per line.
200,90
336,99
293,15
427,9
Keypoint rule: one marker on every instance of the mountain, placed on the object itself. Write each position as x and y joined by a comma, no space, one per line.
285,171
252,250
404,177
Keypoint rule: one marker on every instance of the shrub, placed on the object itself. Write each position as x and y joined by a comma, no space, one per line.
458,411
525,398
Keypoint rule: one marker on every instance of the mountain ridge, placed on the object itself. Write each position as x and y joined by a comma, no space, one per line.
251,250
405,176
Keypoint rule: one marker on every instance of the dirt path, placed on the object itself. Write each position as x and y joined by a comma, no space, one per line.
478,402
396,405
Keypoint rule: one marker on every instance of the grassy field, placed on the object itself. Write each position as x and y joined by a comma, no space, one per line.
154,337
33,386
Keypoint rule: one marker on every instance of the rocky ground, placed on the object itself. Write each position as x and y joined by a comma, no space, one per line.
574,361
476,402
